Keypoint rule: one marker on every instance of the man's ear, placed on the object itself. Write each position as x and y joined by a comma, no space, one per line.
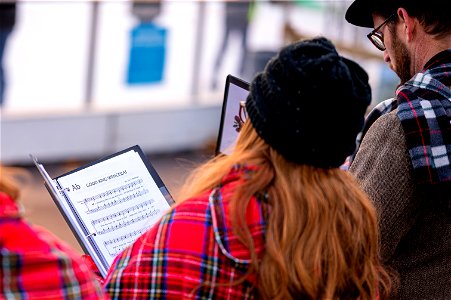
408,24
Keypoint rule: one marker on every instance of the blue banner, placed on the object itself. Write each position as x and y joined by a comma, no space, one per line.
147,54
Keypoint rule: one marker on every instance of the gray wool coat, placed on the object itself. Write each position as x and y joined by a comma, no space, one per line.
415,229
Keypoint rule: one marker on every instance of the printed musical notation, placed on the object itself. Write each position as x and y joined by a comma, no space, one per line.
113,197
116,245
125,212
111,202
125,217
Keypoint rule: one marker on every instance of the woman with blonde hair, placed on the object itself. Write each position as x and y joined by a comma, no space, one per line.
34,264
278,218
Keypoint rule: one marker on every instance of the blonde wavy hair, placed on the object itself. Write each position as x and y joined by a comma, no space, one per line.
321,236
9,182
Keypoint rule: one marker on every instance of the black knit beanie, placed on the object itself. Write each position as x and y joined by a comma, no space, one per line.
309,103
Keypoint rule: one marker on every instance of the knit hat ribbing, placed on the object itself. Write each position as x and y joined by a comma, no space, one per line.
309,103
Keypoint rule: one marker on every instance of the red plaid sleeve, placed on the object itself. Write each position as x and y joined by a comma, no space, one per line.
36,265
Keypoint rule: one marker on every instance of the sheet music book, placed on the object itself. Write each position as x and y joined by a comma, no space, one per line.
110,202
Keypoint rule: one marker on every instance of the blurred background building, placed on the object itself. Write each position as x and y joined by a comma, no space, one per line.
79,79
88,78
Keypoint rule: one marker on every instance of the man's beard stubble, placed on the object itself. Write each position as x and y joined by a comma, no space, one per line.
402,61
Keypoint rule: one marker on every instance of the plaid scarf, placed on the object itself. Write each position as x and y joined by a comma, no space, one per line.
424,108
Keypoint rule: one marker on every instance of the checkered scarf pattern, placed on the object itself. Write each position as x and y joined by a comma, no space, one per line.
424,108
36,265
380,109
192,253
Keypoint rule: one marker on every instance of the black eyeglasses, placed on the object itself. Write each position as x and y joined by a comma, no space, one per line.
376,37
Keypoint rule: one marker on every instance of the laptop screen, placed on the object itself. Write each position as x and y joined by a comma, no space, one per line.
233,114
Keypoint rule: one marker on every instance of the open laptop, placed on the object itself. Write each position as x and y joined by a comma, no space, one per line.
233,114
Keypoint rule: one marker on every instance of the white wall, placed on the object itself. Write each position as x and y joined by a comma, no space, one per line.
92,134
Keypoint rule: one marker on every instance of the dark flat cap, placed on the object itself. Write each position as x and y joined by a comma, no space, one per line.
359,13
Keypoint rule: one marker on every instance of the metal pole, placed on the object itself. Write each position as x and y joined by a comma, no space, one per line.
198,47
91,53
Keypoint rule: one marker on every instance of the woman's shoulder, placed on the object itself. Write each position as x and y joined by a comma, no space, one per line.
8,207
44,260
194,204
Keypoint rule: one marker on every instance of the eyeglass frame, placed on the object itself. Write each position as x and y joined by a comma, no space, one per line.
375,33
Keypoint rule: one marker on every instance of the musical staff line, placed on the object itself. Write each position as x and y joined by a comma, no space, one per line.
118,200
124,237
127,222
114,246
125,212
114,191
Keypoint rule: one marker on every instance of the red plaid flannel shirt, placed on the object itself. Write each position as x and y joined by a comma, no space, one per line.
35,265
191,253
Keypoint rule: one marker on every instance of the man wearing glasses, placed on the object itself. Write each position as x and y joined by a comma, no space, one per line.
403,162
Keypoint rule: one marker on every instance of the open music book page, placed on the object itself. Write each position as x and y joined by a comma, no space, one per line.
111,202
